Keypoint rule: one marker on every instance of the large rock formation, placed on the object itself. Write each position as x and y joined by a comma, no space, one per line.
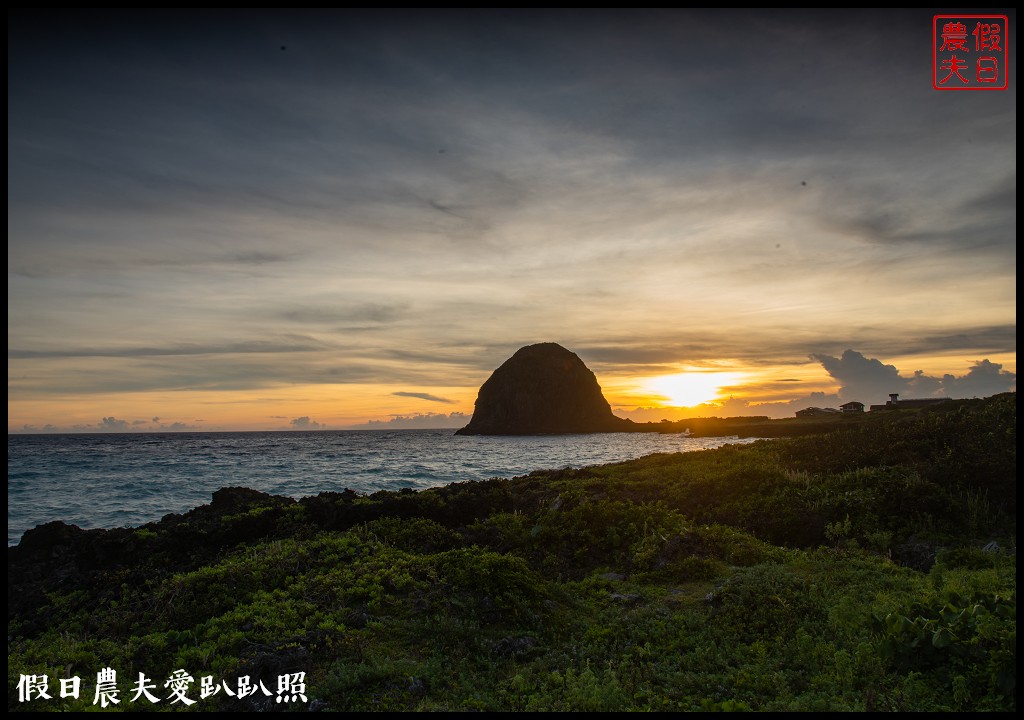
543,388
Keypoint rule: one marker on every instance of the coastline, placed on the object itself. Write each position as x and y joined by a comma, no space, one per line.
711,580
132,479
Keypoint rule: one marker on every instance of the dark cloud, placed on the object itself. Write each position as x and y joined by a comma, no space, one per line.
32,429
871,381
286,344
732,407
93,375
780,409
637,353
112,424
984,216
257,257
456,356
424,396
646,356
361,313
776,346
861,377
176,426
304,423
417,422
993,339
983,379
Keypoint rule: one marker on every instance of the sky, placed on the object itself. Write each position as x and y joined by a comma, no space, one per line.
242,220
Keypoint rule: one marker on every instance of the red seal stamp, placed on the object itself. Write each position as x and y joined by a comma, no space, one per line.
970,52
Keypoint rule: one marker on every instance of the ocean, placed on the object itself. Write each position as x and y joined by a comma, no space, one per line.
120,480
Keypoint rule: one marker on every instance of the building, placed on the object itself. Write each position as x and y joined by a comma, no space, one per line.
852,407
895,403
812,411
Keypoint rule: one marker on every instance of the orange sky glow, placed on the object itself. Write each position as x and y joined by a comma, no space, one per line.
686,392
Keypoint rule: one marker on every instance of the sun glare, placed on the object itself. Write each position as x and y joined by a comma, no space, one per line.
691,388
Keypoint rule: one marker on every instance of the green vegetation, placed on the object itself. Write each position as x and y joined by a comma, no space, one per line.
871,568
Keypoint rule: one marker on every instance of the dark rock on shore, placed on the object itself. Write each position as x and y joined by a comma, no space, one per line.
542,389
56,557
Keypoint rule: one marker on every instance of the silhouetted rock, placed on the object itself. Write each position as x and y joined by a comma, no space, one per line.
542,389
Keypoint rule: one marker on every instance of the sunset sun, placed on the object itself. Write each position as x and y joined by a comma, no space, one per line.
690,388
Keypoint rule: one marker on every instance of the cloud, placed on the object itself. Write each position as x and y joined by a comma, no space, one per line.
645,354
32,429
983,379
245,371
304,423
112,424
424,396
878,213
993,338
869,380
782,409
380,313
732,407
256,257
286,344
861,377
417,422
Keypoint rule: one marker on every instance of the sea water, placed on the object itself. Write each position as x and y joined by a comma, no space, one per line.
118,480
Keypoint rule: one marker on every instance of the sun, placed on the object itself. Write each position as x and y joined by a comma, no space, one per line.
690,388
